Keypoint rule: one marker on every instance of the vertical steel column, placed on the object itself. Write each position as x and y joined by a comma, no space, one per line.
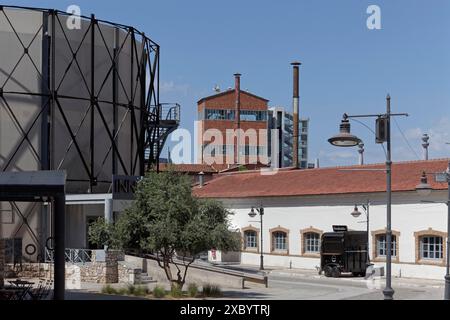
142,110
115,98
157,57
45,124
130,103
388,291
92,180
59,259
53,90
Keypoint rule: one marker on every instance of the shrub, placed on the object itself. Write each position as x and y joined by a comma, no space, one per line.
140,291
192,290
159,292
211,290
175,291
108,290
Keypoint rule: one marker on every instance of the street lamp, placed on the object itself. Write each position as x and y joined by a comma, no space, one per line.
252,214
356,213
423,188
383,134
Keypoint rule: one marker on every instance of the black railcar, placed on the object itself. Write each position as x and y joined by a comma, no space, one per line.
344,251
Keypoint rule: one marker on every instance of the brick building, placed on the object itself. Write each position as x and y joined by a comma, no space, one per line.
237,118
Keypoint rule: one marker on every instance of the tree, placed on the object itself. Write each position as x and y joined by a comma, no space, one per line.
168,221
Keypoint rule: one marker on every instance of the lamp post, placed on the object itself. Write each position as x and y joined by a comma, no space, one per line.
383,134
252,214
424,189
356,213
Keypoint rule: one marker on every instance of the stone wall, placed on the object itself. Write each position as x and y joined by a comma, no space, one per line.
2,262
129,274
103,268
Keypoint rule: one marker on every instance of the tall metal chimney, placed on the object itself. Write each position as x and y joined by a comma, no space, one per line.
425,144
237,119
361,153
295,102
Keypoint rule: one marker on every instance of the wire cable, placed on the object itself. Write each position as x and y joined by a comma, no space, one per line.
406,140
371,130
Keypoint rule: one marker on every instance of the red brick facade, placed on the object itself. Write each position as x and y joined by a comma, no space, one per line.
227,101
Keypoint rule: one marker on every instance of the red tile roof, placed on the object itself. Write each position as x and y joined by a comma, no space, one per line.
333,180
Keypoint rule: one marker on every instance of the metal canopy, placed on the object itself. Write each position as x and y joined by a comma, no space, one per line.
42,186
31,186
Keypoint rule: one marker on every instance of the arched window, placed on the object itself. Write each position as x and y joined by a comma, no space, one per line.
312,242
381,247
250,239
279,239
431,247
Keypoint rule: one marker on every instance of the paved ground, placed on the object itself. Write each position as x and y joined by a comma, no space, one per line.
296,284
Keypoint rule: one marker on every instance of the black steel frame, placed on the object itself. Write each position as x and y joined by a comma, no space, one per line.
144,58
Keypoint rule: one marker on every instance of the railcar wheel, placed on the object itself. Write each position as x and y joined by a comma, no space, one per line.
335,273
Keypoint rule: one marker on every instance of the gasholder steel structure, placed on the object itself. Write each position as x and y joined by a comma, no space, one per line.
76,97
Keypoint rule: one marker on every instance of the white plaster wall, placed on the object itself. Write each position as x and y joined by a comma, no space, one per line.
409,215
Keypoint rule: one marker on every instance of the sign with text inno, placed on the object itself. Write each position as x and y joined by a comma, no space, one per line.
124,186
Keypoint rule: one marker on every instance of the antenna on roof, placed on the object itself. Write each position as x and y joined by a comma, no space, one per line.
216,88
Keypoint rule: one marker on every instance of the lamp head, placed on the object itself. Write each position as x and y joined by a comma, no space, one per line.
344,138
423,188
252,213
356,213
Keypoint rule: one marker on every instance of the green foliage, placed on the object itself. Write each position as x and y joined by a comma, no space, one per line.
165,219
211,290
136,290
159,292
175,291
192,290
108,290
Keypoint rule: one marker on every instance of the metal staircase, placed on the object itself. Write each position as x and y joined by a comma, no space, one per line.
163,120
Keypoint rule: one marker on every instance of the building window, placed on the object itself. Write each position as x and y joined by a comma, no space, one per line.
312,242
250,115
381,249
279,241
219,114
250,239
431,248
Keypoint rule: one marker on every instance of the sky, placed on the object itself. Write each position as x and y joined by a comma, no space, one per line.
346,68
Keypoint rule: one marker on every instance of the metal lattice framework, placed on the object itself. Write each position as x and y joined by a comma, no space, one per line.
117,73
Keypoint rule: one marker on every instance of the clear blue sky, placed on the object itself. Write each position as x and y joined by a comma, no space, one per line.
346,67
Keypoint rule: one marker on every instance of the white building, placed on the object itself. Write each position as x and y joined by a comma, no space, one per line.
299,205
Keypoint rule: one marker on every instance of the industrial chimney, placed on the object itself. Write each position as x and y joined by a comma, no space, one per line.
425,144
295,102
237,121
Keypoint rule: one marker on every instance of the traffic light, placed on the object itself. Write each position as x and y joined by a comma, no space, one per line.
381,130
